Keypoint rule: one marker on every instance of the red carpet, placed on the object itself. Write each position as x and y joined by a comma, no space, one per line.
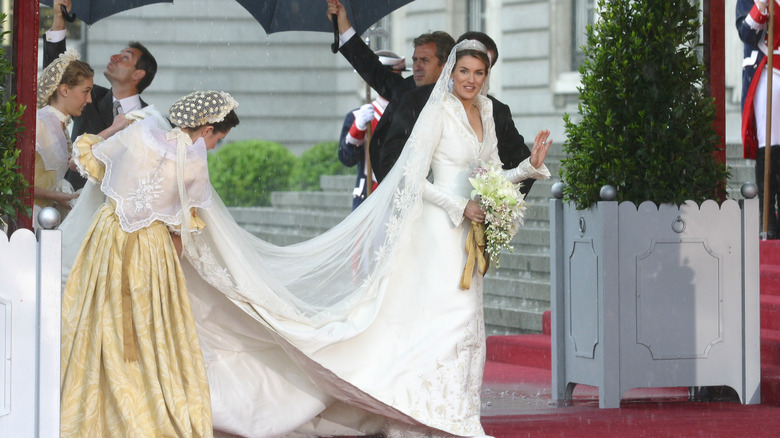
517,384
665,419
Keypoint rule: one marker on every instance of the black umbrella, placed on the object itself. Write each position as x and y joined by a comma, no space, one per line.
283,15
90,11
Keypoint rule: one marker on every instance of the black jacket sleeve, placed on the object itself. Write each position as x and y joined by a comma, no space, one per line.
403,116
511,145
51,51
378,76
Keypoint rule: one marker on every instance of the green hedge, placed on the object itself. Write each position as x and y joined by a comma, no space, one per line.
244,173
322,159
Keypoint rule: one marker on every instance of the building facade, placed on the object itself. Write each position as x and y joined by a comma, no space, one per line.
293,90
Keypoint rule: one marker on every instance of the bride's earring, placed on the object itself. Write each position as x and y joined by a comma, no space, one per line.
449,85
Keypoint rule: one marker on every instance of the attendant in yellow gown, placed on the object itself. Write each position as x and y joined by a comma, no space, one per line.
131,360
63,91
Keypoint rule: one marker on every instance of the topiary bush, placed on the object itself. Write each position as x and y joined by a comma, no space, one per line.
646,124
321,159
12,182
244,173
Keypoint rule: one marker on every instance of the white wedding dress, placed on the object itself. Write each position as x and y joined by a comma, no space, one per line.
363,329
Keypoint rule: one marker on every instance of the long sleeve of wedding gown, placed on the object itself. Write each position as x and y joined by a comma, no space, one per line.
526,170
454,205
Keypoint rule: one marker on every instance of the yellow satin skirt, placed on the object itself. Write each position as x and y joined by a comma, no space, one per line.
131,366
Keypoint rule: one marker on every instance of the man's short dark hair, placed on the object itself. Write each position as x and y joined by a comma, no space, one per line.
442,40
484,39
146,62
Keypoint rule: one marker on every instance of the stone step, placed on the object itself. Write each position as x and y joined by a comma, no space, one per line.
278,237
533,289
541,190
537,210
538,237
294,222
334,202
337,183
505,315
524,260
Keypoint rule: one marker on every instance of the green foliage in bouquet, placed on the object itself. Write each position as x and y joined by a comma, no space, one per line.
12,183
321,159
244,173
646,120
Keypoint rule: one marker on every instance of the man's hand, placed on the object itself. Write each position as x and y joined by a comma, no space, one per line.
336,8
120,123
364,116
58,23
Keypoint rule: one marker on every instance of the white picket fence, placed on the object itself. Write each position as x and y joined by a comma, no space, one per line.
30,299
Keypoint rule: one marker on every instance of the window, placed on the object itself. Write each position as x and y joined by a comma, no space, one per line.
568,23
583,16
475,15
378,35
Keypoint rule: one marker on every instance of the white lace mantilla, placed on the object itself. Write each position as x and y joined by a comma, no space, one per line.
145,186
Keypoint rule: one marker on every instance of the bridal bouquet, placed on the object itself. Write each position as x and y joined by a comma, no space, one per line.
503,205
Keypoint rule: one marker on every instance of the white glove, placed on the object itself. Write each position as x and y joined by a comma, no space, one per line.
363,116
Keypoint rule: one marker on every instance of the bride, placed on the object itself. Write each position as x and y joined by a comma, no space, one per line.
363,329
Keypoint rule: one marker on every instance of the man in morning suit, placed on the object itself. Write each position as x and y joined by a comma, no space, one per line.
353,133
129,72
430,53
511,146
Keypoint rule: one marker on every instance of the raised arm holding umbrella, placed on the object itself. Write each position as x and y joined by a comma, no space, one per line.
358,125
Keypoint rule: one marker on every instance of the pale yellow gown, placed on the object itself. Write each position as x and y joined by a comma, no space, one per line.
131,366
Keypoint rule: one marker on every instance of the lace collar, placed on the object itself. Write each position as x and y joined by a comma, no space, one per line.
65,119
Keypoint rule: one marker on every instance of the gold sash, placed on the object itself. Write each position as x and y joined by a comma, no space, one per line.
475,249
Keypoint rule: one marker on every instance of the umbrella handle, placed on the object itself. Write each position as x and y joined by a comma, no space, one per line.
70,18
335,46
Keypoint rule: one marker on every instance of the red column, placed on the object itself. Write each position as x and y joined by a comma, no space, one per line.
25,59
715,60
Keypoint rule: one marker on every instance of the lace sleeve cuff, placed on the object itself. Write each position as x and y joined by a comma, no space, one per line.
525,171
89,166
453,205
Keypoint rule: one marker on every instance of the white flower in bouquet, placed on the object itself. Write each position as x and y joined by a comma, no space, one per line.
503,204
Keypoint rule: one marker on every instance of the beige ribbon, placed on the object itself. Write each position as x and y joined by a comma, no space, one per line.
128,330
475,250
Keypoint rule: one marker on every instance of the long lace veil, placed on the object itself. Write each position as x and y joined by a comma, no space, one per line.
334,282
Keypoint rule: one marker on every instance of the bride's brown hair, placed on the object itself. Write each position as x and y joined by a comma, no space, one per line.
482,56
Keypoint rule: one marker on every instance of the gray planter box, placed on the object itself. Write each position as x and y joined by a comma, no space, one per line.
655,297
